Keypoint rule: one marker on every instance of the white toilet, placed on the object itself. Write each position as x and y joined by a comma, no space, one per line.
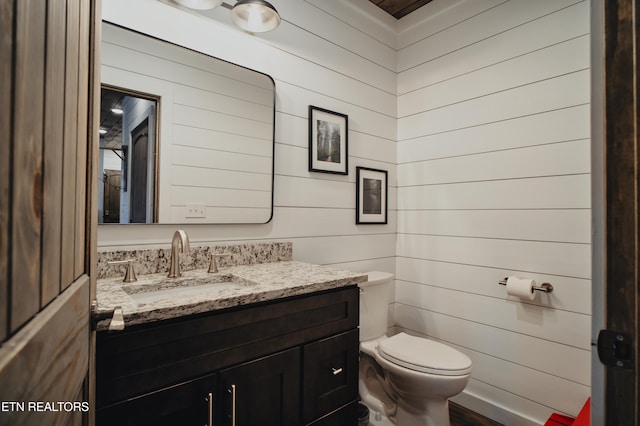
408,379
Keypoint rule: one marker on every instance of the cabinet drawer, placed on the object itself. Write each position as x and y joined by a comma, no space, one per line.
330,374
145,358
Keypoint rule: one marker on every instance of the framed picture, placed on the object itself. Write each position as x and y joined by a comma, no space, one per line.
328,141
371,196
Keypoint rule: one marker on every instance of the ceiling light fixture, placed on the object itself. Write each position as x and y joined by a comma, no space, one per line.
199,4
255,16
117,111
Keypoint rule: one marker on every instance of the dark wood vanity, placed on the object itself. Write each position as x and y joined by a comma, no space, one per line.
292,361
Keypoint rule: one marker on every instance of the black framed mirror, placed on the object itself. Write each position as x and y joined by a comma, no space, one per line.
205,152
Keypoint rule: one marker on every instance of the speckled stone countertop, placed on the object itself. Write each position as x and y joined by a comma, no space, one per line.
155,297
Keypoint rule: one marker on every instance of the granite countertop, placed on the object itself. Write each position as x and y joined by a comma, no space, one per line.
155,297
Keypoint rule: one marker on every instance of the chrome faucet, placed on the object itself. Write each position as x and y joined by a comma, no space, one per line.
179,243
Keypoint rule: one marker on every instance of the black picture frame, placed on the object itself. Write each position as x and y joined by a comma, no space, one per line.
371,196
328,141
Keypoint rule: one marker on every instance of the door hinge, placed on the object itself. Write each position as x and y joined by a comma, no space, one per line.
615,349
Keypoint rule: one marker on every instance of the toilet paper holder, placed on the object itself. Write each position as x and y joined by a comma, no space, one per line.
544,287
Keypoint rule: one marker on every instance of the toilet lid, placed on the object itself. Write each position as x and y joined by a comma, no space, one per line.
427,356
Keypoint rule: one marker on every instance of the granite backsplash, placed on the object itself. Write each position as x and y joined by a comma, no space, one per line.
152,261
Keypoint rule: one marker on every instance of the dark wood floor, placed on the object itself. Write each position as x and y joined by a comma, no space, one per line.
461,416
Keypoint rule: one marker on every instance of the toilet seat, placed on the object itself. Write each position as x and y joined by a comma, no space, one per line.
424,355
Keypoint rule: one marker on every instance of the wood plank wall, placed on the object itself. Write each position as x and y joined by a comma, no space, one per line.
43,152
494,180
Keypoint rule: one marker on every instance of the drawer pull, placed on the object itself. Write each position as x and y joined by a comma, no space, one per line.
232,391
336,371
210,401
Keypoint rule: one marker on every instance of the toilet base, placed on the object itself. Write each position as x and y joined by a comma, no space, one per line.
373,389
423,412
379,419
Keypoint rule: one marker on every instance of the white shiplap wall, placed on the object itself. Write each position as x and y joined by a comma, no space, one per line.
480,112
493,180
312,65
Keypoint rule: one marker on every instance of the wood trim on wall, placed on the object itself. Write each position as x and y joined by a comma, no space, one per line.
6,51
621,147
94,141
92,202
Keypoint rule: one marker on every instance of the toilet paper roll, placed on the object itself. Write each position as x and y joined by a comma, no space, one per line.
521,287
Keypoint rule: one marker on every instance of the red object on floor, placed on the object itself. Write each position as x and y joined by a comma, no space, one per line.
559,420
583,419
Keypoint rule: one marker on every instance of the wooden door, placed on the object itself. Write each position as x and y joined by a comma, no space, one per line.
616,236
139,172
47,224
111,200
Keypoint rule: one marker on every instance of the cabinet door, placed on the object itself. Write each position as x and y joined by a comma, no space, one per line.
190,403
330,375
263,392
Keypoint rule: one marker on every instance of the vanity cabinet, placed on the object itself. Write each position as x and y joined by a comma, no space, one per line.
293,361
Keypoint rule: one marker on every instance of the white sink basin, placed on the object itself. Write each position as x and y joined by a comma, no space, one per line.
189,284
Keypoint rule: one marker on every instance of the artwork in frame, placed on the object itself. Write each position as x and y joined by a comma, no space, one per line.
371,196
328,141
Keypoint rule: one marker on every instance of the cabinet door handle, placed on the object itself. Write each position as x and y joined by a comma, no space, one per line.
233,405
336,371
210,401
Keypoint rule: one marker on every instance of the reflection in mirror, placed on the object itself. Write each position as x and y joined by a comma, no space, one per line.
127,143
209,141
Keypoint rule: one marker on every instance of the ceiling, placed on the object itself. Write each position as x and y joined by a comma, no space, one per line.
399,8
110,121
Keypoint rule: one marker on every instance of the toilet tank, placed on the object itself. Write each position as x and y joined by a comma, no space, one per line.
375,296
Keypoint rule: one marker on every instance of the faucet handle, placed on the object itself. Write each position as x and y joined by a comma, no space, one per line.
130,273
213,264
